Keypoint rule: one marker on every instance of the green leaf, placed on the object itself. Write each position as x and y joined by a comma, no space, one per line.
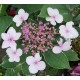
3,8
5,22
10,72
0,74
0,8
25,69
52,72
19,64
22,66
57,61
71,55
77,18
6,64
30,8
72,6
67,15
23,58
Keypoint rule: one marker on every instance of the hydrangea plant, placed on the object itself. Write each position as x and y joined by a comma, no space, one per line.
38,39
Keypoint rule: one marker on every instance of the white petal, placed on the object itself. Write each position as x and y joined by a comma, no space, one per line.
62,27
18,23
74,32
26,15
17,36
21,11
41,65
4,36
11,59
12,32
52,21
57,50
67,46
48,18
13,45
59,18
9,52
5,44
30,60
60,42
37,57
19,52
52,12
33,69
23,14
17,20
69,24
62,30
16,59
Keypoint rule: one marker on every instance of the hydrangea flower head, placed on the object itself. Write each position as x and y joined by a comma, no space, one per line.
37,38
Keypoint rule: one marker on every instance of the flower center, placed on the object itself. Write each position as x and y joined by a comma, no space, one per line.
37,37
54,17
36,62
14,52
67,31
10,39
60,45
21,18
